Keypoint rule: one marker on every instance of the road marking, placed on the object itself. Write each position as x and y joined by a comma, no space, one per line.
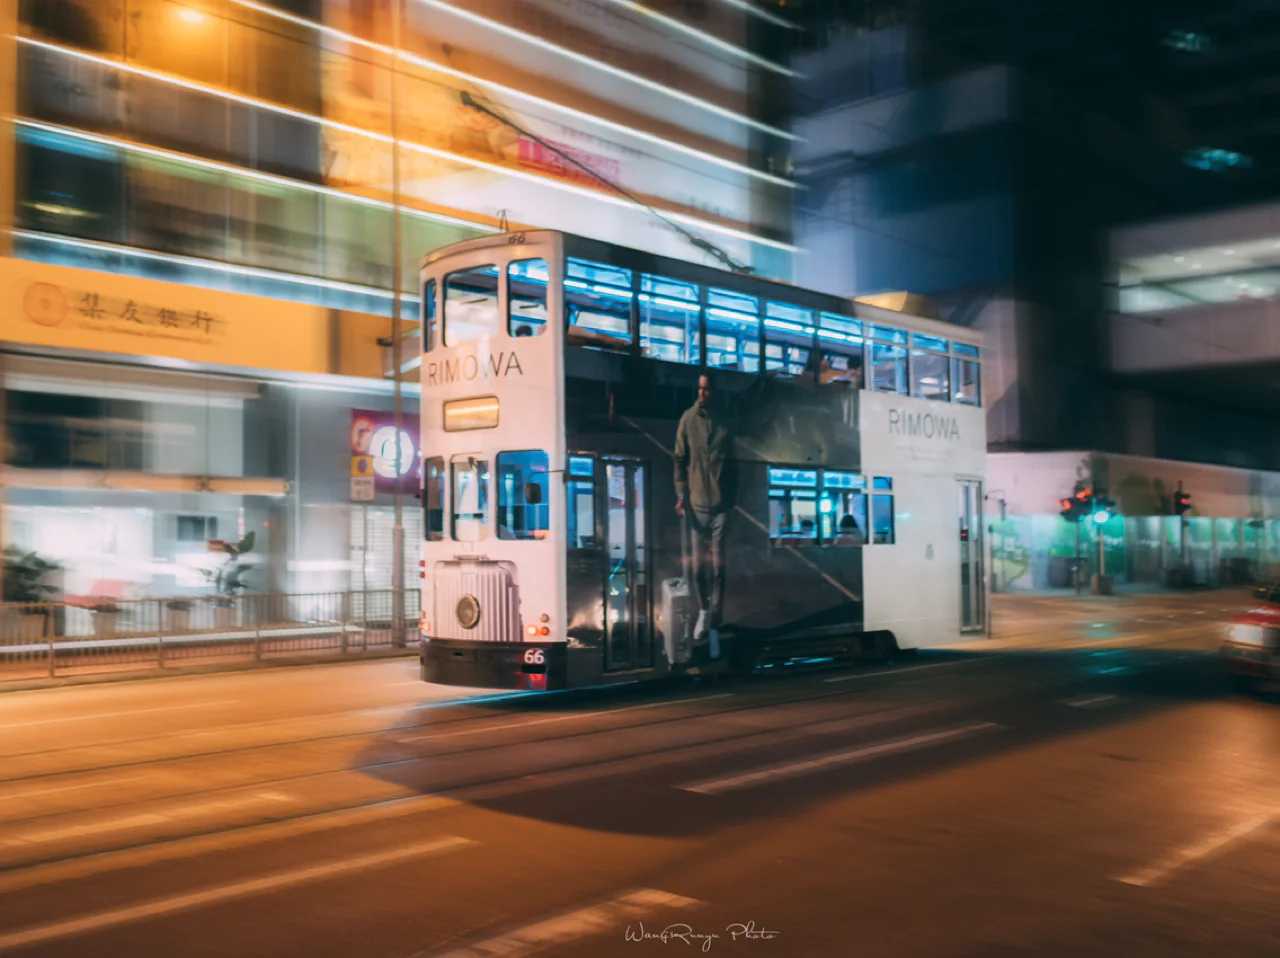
220,893
102,715
612,916
1162,869
1090,701
109,783
144,818
909,668
845,757
429,737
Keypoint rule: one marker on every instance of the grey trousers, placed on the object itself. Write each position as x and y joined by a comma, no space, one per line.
706,534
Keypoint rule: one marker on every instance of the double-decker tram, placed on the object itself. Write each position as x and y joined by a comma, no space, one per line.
555,371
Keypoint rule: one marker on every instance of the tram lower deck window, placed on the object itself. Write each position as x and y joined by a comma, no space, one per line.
793,504
882,530
433,479
523,510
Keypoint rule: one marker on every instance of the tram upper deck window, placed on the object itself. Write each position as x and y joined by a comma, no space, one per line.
470,498
930,368
433,478
733,331
888,359
669,312
882,530
788,339
522,495
966,375
597,302
580,496
842,510
429,316
471,305
841,349
527,297
793,504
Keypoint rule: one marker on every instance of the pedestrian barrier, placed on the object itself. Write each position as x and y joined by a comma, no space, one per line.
73,638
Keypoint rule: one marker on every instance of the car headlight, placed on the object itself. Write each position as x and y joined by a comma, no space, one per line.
1247,635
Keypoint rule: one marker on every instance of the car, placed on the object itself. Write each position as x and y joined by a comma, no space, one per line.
1251,647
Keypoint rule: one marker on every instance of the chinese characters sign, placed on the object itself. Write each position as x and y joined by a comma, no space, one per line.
55,306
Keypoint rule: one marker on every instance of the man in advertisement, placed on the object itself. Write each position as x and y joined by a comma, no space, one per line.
703,446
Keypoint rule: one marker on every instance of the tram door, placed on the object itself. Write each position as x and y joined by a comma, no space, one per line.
972,584
628,632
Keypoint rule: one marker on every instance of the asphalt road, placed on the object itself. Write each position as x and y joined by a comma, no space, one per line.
1086,783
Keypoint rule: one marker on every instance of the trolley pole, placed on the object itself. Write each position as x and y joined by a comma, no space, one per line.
397,530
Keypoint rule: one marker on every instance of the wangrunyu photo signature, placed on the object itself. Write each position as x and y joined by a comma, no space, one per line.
685,934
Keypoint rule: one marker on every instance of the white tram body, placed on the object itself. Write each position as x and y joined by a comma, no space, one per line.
554,371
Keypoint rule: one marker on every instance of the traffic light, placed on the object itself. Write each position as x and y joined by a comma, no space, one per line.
1078,505
1103,509
1181,501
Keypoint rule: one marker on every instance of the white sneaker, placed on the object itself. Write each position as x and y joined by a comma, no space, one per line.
700,630
715,643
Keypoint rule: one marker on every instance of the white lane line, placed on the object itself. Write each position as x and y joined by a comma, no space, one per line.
613,916
429,737
142,819
909,668
1155,873
103,715
1090,701
109,783
846,757
220,893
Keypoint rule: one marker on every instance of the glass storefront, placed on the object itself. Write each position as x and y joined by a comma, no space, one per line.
131,480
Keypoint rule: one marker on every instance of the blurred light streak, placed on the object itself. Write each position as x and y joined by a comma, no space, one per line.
435,152
585,60
231,169
703,37
505,90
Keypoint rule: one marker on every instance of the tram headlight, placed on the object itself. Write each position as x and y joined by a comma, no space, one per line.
468,611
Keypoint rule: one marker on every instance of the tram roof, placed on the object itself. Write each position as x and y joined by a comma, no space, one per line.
626,256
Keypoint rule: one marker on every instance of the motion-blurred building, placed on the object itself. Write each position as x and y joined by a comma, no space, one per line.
197,265
1056,174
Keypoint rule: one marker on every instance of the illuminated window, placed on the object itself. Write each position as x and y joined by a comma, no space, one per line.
882,511
930,368
433,498
580,492
429,316
523,510
470,498
793,505
888,360
733,331
842,509
966,376
788,339
597,302
840,346
471,305
669,313
527,297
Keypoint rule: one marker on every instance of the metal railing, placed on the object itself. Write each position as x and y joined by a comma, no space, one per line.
64,638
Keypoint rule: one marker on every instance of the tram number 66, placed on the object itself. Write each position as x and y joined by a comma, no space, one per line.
534,657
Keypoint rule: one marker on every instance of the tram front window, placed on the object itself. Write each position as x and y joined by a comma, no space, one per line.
470,498
471,305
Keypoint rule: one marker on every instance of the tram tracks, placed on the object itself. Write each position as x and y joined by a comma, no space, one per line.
294,802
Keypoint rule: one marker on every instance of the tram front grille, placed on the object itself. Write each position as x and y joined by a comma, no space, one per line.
479,589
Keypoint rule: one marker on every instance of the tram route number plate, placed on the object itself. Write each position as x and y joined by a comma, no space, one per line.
362,489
